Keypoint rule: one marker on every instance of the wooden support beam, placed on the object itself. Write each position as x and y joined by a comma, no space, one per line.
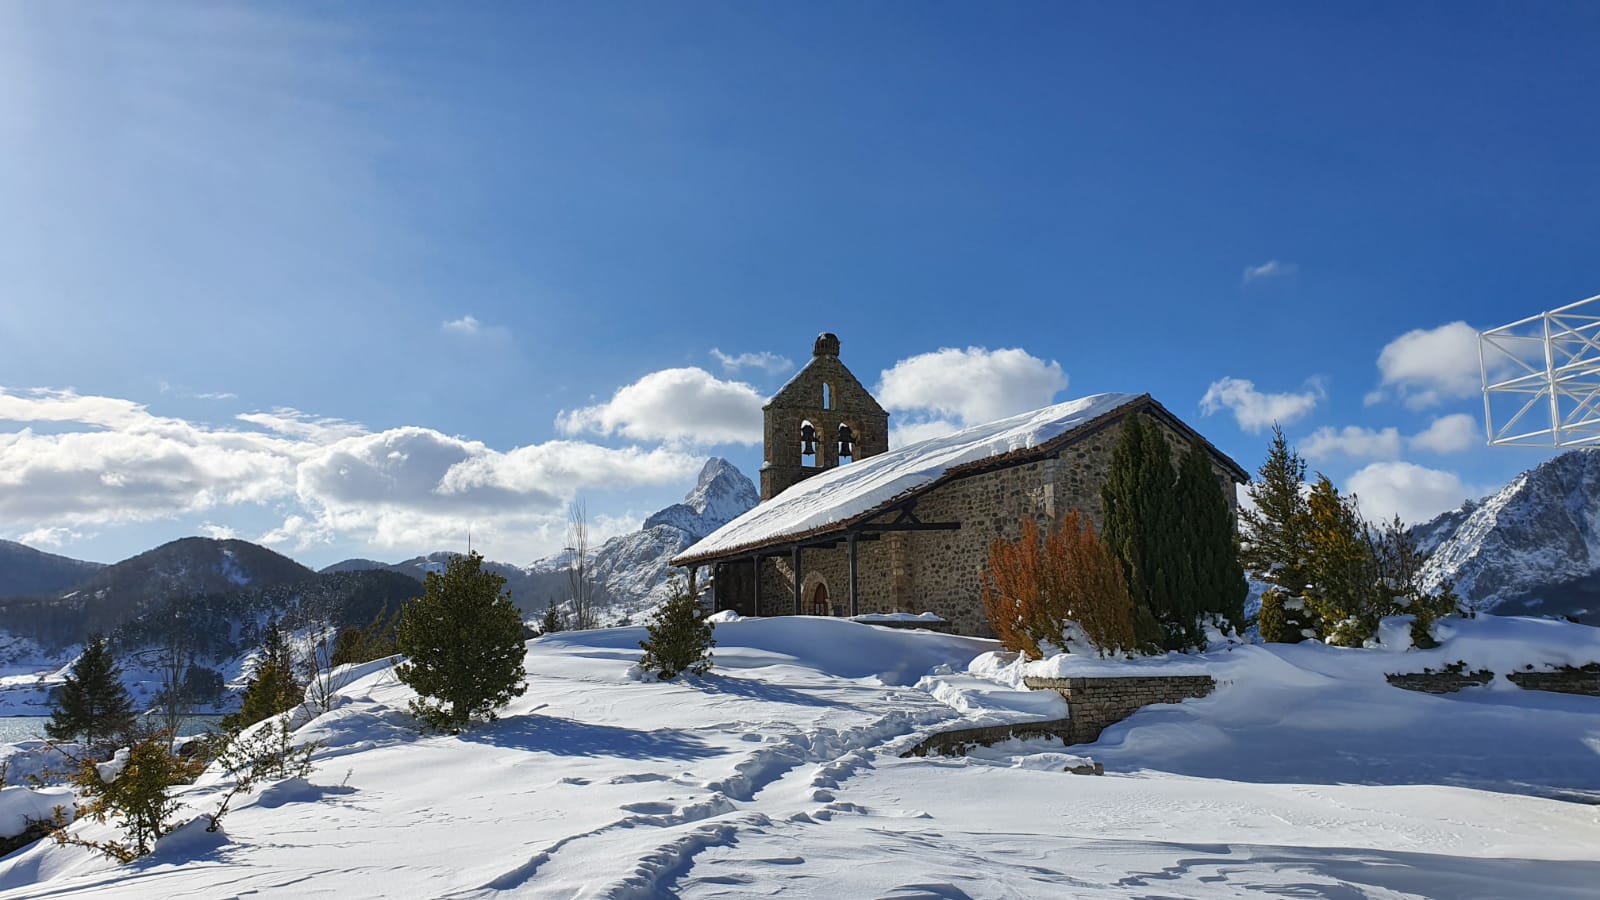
854,607
909,526
795,556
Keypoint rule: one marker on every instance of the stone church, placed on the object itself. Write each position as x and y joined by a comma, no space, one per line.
848,527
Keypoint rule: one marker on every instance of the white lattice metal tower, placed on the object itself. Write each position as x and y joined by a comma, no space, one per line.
1541,378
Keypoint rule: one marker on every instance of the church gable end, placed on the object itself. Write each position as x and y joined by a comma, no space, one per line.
823,417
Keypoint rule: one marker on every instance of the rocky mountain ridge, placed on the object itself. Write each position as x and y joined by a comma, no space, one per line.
25,571
1533,548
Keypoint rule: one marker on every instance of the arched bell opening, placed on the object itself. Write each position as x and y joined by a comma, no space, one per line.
808,444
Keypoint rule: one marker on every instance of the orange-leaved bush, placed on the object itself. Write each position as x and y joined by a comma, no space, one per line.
1037,588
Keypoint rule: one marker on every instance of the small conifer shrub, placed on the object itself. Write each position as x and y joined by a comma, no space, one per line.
464,646
134,792
553,620
680,637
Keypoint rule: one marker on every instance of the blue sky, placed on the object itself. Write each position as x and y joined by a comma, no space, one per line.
460,267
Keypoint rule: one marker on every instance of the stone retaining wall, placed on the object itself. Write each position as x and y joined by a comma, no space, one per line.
1440,682
1098,703
957,741
1565,680
1095,704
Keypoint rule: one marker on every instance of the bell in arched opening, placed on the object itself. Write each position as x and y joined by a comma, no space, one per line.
847,443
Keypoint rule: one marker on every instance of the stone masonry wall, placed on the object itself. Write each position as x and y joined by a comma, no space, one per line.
946,568
1566,680
1440,682
1095,704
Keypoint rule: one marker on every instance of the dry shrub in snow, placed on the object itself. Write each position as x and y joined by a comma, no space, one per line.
1035,587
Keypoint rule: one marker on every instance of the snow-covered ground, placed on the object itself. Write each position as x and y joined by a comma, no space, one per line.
780,774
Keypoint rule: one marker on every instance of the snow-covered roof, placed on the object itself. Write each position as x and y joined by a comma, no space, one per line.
849,493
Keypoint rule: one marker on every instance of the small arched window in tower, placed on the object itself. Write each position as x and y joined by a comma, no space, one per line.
827,396
847,444
808,444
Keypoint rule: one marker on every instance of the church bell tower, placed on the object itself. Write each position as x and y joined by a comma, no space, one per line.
821,419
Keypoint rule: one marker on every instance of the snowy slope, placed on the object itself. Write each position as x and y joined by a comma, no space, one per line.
1532,547
841,493
780,774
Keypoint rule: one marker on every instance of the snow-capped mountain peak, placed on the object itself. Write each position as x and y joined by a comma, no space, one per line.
721,494
1533,547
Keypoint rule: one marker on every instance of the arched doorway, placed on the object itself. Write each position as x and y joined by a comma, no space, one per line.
819,600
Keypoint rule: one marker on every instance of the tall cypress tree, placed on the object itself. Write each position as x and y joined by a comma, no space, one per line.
1209,540
92,702
1144,528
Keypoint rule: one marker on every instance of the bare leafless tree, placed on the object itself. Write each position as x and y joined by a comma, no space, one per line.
173,659
323,682
580,581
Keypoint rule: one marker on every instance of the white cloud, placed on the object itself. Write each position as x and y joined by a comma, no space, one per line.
682,406
1272,268
217,395
1446,434
1427,366
108,461
1353,441
970,386
294,423
1414,493
123,464
466,325
1449,434
47,536
766,361
220,532
471,327
1255,410
414,487
912,432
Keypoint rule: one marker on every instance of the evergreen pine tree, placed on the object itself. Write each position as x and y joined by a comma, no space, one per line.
1399,565
1209,541
92,702
552,620
1144,528
273,687
464,646
1343,591
1274,546
680,636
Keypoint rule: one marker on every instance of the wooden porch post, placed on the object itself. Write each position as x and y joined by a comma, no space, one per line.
854,608
798,608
